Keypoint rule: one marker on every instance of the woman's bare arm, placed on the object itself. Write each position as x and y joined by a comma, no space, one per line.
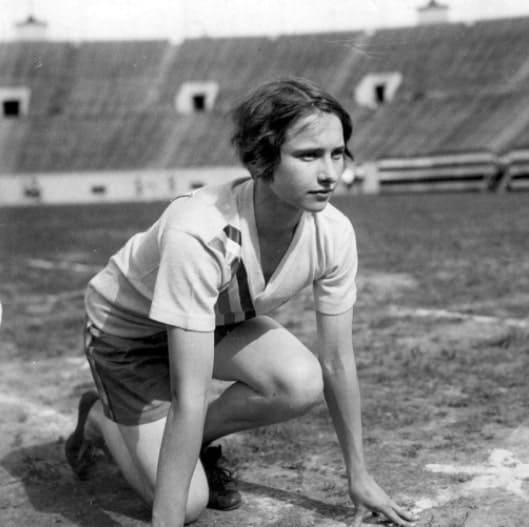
191,366
342,394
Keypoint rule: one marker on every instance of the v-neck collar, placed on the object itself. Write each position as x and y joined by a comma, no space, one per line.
251,249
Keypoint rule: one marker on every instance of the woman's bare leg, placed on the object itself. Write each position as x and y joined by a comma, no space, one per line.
276,378
136,449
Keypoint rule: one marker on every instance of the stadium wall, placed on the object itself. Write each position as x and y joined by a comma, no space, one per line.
108,186
468,172
115,186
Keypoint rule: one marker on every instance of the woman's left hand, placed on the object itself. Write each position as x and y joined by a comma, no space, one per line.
366,494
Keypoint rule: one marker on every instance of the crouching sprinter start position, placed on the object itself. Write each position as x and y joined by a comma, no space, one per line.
187,301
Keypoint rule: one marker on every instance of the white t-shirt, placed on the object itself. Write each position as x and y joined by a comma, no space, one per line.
198,267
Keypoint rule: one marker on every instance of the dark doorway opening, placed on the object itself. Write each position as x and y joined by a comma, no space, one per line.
11,107
380,93
199,102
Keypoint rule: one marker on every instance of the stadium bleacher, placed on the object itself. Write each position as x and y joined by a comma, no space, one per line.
111,105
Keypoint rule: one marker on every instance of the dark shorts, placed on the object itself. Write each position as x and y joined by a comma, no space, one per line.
132,375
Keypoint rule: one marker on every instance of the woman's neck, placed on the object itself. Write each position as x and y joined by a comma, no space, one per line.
273,217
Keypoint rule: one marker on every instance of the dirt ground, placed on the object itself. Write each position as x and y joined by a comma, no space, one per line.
441,339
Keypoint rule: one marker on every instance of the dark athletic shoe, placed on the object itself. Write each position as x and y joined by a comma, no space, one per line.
78,451
223,493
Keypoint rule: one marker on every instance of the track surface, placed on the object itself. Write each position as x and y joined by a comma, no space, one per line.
441,335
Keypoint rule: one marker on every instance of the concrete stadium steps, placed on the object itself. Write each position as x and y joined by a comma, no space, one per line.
238,64
522,141
64,143
140,140
451,58
89,78
492,122
310,56
119,59
407,129
488,54
421,54
199,140
43,67
60,144
111,105
507,42
12,135
91,97
234,63
111,78
25,61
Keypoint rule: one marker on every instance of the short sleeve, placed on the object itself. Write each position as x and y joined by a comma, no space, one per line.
335,289
187,283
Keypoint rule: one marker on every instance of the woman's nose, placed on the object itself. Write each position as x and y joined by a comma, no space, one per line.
328,171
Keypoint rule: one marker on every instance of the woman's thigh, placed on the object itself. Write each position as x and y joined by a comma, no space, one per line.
260,351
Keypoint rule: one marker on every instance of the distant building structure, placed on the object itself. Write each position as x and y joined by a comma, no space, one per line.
31,29
196,97
376,89
433,13
14,101
148,120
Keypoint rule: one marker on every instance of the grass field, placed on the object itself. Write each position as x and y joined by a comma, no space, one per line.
441,334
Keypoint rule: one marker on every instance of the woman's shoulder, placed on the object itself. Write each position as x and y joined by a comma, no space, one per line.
203,212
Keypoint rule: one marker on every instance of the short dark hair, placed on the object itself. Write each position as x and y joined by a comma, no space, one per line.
263,118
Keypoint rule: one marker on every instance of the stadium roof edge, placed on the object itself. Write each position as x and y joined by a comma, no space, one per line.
78,42
275,36
365,30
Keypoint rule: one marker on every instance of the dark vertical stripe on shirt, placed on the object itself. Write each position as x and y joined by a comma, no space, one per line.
244,292
233,234
223,306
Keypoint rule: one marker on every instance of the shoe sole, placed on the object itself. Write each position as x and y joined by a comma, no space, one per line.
232,508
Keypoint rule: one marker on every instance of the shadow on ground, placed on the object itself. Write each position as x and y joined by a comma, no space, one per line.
39,484
41,476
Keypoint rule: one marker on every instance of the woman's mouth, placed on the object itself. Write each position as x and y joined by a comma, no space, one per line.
321,192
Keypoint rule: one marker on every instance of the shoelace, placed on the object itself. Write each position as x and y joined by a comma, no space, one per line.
218,476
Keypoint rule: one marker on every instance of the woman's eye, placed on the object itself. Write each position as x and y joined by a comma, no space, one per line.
308,156
338,155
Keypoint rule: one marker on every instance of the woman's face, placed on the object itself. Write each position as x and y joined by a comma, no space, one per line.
312,161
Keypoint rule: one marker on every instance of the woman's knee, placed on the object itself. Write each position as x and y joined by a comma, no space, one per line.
300,383
272,361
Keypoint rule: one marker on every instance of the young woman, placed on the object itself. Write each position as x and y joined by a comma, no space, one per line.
186,301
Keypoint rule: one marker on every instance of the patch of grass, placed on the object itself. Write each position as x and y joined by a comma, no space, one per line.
459,247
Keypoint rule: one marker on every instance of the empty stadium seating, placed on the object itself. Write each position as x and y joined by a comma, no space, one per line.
111,105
